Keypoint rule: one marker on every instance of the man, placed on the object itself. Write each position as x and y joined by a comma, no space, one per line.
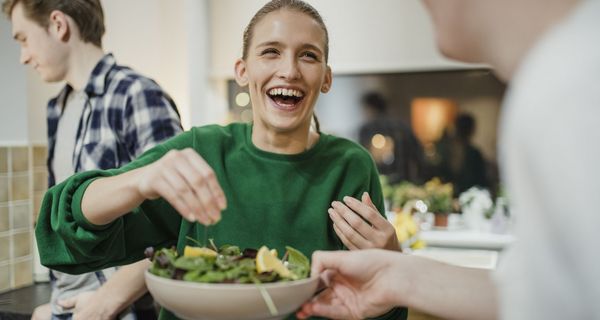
461,162
105,116
549,50
400,158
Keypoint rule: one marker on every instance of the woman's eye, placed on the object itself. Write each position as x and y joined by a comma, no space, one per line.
269,52
310,55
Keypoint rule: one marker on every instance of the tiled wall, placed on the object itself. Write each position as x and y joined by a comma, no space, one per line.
22,183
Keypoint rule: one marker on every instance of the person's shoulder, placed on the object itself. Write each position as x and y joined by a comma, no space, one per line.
125,80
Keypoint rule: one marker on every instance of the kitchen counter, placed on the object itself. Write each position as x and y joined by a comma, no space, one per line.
482,259
18,304
467,239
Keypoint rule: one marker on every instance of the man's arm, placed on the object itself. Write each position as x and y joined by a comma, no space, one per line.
365,283
448,291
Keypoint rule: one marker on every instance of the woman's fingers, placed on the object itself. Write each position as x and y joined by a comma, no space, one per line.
166,190
354,219
188,183
366,222
198,187
208,176
344,239
351,238
366,199
185,202
368,212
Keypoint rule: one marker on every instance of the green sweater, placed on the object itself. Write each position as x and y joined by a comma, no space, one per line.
272,199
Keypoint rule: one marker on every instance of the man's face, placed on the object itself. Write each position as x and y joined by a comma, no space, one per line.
41,48
457,26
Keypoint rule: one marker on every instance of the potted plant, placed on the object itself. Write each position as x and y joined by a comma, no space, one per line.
405,192
477,208
439,200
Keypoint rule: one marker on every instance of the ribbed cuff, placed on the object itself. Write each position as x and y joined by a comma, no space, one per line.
78,213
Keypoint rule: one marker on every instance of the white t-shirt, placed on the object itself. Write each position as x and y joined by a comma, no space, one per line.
68,285
550,153
66,134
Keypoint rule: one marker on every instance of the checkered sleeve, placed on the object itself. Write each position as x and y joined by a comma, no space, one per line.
150,117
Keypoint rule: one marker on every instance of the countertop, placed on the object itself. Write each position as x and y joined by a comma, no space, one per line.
18,304
467,239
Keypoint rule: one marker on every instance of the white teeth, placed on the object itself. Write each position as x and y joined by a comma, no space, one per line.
286,92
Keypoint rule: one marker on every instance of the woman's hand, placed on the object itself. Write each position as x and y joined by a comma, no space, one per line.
187,182
360,225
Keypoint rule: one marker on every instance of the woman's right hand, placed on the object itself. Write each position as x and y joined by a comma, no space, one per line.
187,182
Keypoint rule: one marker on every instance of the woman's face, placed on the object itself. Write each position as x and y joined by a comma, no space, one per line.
285,71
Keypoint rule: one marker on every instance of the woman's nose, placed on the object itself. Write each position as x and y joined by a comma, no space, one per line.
288,69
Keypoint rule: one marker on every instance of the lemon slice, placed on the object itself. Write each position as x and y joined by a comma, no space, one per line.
266,261
198,252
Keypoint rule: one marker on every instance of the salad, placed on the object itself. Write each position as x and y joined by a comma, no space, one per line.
228,264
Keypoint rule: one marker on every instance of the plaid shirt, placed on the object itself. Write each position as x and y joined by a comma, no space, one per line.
125,114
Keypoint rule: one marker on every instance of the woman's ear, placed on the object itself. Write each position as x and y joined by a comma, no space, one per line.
59,25
241,77
326,86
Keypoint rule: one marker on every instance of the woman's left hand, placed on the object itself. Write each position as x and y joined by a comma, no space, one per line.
360,225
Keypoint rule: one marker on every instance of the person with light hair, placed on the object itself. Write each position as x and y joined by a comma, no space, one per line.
105,116
549,52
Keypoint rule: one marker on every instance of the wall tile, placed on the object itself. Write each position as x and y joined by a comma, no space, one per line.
4,278
21,215
39,156
3,188
4,248
21,244
4,221
20,159
20,187
23,273
3,160
40,180
37,202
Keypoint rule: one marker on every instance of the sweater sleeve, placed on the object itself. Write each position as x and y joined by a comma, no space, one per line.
68,242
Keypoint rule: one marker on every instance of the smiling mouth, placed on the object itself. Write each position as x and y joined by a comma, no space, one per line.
287,99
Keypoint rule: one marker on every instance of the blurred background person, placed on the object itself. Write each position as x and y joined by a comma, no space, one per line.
461,162
390,141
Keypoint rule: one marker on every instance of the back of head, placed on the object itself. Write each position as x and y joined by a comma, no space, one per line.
375,102
87,14
464,126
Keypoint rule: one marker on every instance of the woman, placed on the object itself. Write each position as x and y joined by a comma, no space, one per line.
274,182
